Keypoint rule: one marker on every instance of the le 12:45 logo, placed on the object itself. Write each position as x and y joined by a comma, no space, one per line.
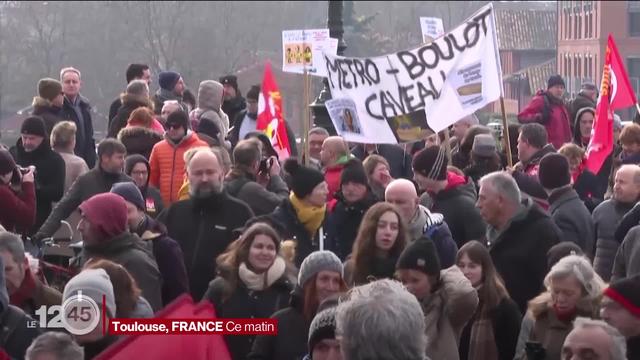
79,315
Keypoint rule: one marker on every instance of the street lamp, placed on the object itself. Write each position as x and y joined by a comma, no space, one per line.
320,115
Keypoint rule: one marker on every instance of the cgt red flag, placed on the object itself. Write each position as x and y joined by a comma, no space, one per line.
270,118
615,93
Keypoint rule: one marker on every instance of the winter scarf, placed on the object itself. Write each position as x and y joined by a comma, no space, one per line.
422,221
311,217
26,290
259,282
482,345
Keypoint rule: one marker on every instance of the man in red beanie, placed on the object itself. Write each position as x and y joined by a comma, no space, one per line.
620,308
103,225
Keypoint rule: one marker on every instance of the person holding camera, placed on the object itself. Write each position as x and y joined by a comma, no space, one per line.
17,195
254,179
33,149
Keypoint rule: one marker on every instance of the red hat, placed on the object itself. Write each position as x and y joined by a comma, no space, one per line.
107,212
626,292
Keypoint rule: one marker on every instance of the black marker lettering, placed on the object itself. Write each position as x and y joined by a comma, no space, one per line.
367,105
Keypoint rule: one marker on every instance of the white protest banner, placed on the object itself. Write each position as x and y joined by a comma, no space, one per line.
299,47
329,46
451,77
432,28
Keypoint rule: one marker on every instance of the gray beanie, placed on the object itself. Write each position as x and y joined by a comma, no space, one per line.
93,283
319,261
130,192
484,145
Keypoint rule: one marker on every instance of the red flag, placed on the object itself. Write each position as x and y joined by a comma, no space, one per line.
270,118
615,93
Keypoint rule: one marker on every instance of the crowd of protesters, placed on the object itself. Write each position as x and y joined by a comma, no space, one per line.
369,252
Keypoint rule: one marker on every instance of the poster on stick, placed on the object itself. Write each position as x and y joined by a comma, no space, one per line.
449,78
345,118
303,49
432,28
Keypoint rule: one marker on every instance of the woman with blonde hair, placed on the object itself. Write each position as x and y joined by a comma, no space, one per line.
381,238
253,281
139,136
573,289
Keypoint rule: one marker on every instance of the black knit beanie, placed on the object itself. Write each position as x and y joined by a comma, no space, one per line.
231,80
353,171
168,79
303,179
626,292
254,93
131,161
560,250
431,162
555,80
420,255
322,327
554,171
33,125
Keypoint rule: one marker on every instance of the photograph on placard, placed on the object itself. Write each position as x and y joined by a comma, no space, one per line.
410,127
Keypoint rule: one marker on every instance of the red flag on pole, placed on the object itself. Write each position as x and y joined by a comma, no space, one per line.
270,118
615,93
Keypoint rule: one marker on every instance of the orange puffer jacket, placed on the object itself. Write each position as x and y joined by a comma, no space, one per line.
167,165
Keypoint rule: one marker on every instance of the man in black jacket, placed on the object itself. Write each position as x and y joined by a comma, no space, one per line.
453,195
77,108
98,180
203,225
233,103
519,235
586,98
33,149
134,72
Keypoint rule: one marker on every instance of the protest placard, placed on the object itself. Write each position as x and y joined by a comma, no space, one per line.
432,28
301,49
451,77
345,119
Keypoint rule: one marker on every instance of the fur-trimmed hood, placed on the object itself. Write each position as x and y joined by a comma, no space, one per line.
135,101
543,303
139,131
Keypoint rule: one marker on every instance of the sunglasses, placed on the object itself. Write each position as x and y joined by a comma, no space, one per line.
174,126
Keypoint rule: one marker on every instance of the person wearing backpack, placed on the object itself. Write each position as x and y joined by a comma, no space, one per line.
548,109
255,180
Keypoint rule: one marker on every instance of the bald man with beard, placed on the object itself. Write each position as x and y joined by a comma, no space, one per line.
420,221
334,155
203,224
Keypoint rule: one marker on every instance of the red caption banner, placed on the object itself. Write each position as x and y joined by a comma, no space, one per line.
193,327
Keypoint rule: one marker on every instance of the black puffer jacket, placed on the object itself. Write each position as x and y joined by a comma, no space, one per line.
286,215
245,303
49,176
293,334
343,223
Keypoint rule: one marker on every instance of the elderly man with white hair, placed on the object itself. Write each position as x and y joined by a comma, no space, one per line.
593,339
381,321
519,235
420,221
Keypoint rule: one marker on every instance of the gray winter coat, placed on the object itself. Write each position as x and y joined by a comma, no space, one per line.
573,218
627,261
242,185
606,218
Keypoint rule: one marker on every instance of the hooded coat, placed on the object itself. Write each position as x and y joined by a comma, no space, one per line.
167,165
209,108
457,203
129,104
151,195
139,140
48,112
49,176
15,335
547,110
127,250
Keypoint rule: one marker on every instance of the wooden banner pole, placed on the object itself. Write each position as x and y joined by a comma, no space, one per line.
505,132
447,144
